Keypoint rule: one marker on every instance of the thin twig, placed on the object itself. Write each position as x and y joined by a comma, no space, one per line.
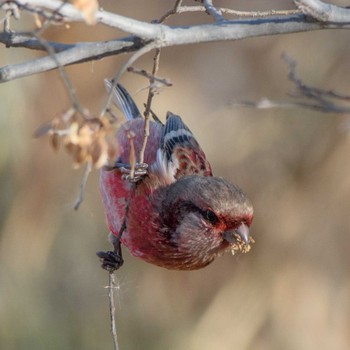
37,8
61,70
151,93
270,104
83,183
322,97
71,94
306,90
152,79
11,10
255,14
7,27
145,137
149,76
171,12
112,287
148,47
320,100
252,14
132,156
154,116
238,13
69,87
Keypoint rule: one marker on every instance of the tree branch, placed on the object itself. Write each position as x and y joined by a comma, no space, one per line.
28,41
70,13
159,34
324,12
169,36
69,54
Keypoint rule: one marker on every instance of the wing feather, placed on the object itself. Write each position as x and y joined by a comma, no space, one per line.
180,154
123,100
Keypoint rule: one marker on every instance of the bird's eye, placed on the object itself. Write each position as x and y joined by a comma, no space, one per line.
211,216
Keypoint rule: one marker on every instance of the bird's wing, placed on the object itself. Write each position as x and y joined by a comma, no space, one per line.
123,100
179,153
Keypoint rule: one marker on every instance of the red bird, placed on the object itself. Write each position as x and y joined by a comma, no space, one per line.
176,214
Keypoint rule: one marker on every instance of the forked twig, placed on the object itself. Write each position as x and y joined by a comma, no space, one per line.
308,97
154,116
171,12
150,46
150,76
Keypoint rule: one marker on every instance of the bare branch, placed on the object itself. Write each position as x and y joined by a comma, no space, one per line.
260,13
266,103
161,35
171,12
317,99
150,46
144,73
64,77
67,55
154,116
184,9
70,13
324,12
169,36
323,98
28,41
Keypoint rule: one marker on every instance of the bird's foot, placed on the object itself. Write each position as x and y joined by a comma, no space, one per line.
140,171
111,261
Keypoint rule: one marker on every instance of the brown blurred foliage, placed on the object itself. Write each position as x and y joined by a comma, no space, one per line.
290,292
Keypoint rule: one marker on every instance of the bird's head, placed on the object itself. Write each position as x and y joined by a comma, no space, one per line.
201,218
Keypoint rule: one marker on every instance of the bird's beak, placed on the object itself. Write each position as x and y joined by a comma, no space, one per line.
242,231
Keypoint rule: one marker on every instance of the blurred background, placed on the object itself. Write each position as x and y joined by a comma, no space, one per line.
292,291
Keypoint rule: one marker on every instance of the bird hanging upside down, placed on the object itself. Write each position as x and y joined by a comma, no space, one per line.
175,213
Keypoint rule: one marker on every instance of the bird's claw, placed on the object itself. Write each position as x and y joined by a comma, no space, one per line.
140,171
111,261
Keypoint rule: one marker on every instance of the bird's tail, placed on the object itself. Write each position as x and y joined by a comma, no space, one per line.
123,100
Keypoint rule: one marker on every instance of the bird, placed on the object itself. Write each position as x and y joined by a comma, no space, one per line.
170,211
